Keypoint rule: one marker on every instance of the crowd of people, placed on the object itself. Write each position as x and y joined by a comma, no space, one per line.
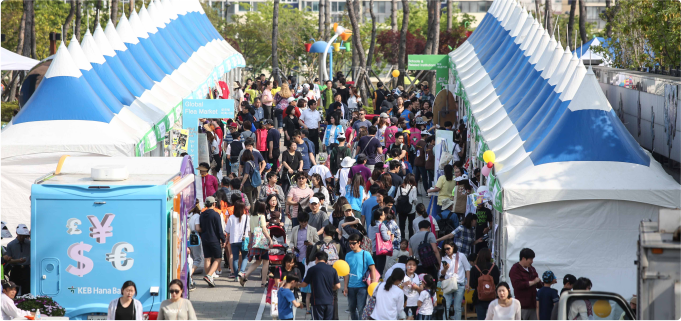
344,185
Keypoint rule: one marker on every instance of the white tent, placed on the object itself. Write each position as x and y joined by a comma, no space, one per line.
126,85
13,61
573,184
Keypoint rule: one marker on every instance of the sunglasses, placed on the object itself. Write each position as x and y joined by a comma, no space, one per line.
174,291
352,243
448,249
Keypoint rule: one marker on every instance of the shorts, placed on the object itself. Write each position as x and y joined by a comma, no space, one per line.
211,250
413,311
258,254
196,253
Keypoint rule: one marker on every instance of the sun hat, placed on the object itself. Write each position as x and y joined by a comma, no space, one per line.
347,162
347,207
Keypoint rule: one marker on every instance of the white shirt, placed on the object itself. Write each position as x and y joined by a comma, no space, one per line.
396,266
352,103
236,228
10,311
456,149
412,295
463,267
580,311
426,303
194,221
322,170
497,312
342,174
420,218
311,118
388,303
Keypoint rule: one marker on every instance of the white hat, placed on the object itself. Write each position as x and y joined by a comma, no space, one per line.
290,99
306,85
314,200
341,135
463,177
22,230
5,231
384,115
425,132
347,162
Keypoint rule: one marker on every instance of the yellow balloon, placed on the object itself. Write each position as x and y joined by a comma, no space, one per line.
342,268
371,288
396,73
489,156
602,308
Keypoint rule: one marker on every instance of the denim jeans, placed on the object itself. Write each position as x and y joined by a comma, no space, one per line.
236,249
357,298
481,309
456,298
279,115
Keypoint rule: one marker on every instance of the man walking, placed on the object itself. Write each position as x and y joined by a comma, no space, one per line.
311,117
360,262
323,280
370,146
212,239
526,282
273,139
18,254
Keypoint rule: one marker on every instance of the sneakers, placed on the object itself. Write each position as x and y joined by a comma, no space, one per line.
192,287
242,279
209,280
217,274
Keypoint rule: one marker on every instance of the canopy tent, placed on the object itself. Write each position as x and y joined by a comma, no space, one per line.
13,61
587,53
569,180
116,94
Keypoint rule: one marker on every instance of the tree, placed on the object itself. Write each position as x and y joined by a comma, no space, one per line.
608,20
536,10
393,15
79,17
69,18
98,8
357,43
372,45
322,25
275,41
548,14
114,10
582,21
29,49
450,7
402,51
571,21
327,20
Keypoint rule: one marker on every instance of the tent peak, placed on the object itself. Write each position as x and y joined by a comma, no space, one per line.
78,55
91,50
114,38
62,64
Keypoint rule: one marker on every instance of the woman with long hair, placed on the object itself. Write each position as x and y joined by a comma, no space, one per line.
338,214
454,265
422,215
267,99
505,307
408,189
397,236
444,186
382,125
260,255
275,87
399,107
237,92
319,187
483,266
177,307
291,162
333,129
354,99
236,233
377,226
389,297
291,124
375,175
126,307
273,206
355,194
281,101
386,183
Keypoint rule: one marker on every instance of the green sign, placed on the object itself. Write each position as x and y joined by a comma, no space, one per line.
439,63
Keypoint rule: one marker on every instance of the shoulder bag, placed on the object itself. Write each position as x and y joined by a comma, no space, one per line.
259,239
383,247
246,240
450,285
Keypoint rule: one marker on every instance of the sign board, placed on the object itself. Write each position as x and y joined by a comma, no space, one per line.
439,63
195,109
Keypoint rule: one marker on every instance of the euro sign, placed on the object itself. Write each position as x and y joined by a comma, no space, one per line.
118,258
76,252
101,230
72,225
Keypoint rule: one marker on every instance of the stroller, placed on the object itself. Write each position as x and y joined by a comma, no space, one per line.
279,246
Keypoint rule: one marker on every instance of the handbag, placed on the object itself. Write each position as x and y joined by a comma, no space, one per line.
271,289
450,285
274,305
246,240
194,239
371,304
383,247
445,156
259,239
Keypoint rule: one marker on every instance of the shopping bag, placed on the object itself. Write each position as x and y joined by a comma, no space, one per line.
274,306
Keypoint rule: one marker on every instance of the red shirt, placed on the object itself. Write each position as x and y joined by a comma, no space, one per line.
520,279
209,185
296,112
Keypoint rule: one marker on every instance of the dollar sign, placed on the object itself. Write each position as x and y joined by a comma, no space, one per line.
72,224
117,255
75,252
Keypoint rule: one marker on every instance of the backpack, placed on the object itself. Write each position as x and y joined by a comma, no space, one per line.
426,253
256,180
235,148
340,153
446,225
330,249
486,288
403,205
261,139
366,244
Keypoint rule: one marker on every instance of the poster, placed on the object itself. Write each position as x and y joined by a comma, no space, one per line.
439,63
194,110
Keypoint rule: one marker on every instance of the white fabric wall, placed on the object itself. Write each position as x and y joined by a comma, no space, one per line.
595,239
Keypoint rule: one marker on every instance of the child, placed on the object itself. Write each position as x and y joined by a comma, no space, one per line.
404,244
426,300
547,297
286,299
412,288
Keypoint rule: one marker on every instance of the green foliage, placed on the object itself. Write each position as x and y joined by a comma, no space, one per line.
418,19
252,32
8,110
563,20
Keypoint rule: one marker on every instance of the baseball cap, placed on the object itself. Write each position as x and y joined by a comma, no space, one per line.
234,124
347,207
393,120
384,115
290,99
268,166
341,135
314,200
22,230
548,277
210,200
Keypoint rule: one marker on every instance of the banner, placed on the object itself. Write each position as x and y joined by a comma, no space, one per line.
439,63
195,109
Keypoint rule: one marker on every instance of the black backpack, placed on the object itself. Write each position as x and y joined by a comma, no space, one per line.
446,225
341,152
403,205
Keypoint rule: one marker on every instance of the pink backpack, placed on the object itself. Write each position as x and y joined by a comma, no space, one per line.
261,139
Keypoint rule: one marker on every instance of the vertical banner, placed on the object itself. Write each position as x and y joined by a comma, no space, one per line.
194,110
439,63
